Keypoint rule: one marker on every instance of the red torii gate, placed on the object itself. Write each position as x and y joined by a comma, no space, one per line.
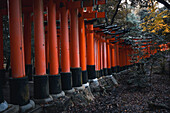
83,56
17,41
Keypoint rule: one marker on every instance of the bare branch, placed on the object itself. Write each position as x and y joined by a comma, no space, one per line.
117,7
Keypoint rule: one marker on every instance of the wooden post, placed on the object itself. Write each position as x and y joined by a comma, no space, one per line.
90,50
66,76
82,44
108,59
101,59
74,47
113,61
117,58
41,78
105,59
54,77
18,83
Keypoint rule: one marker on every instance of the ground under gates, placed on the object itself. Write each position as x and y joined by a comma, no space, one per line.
115,98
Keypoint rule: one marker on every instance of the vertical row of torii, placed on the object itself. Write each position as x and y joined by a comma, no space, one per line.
67,53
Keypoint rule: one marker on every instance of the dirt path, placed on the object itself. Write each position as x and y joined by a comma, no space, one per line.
124,99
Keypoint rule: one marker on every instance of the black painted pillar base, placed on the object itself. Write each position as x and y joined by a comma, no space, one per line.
2,77
101,73
105,71
41,87
109,71
117,69
76,76
91,71
113,69
19,91
28,71
98,73
66,80
84,77
54,84
126,66
121,68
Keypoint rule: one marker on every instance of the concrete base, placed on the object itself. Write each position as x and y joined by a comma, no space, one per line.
56,96
42,101
94,82
31,82
86,85
3,106
27,107
113,79
81,88
101,77
12,109
88,93
109,76
71,91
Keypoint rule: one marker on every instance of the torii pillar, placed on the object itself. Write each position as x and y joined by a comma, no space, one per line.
124,57
18,83
66,75
128,57
74,49
113,61
96,57
105,59
90,50
108,59
121,57
101,58
117,58
54,77
82,44
40,78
